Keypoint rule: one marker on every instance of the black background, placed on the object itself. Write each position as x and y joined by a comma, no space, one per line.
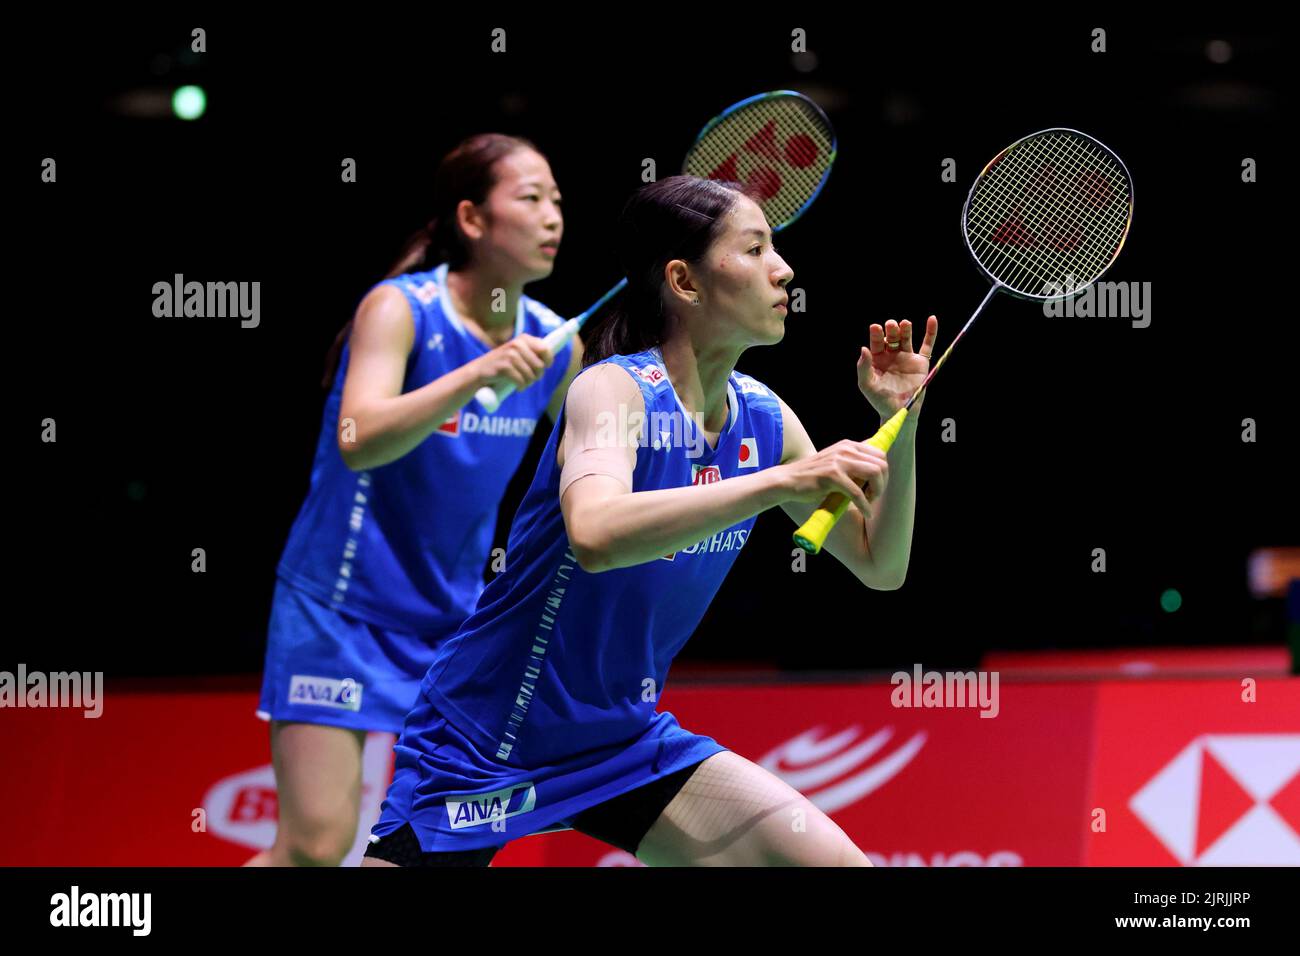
1072,434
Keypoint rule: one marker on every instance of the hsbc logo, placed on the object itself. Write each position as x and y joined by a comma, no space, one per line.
1227,800
837,771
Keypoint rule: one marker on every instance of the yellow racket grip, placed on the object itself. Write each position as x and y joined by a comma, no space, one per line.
812,533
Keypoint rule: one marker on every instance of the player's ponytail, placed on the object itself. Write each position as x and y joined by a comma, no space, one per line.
467,172
675,218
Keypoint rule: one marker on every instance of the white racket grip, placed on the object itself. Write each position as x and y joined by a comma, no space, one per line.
491,398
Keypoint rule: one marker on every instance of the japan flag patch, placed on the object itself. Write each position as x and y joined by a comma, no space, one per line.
748,453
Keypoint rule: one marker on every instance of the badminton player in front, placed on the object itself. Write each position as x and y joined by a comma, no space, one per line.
540,712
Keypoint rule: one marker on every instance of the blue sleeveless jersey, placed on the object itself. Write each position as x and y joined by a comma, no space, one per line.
404,545
557,661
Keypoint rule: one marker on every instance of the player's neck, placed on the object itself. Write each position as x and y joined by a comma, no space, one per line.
486,301
699,377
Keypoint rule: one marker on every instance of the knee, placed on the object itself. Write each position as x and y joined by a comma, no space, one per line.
320,840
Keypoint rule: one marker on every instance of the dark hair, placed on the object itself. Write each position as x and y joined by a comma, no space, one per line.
675,218
467,172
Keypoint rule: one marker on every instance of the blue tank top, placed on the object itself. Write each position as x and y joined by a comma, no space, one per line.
557,660
404,545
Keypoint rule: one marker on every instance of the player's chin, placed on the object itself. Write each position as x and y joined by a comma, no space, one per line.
773,329
539,268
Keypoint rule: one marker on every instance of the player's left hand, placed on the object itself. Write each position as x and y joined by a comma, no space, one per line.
891,370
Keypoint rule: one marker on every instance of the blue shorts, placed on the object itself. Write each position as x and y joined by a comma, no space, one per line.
327,667
457,798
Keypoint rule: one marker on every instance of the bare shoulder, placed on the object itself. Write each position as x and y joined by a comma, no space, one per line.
384,318
605,387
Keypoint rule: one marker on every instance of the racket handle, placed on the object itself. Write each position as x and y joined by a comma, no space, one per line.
491,398
812,533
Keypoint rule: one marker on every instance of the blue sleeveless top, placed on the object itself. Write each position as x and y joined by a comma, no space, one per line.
556,660
404,545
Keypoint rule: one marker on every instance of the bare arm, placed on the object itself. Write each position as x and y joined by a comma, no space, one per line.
610,526
874,544
575,366
377,422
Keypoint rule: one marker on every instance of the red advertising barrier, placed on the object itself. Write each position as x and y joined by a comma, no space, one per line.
1198,773
1057,774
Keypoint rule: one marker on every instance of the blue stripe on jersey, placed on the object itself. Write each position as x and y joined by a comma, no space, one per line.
404,545
555,660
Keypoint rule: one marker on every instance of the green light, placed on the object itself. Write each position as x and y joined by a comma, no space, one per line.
189,102
1171,600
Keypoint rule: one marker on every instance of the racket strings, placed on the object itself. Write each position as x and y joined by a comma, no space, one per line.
780,146
1025,233
1076,181
1084,179
1049,215
1050,234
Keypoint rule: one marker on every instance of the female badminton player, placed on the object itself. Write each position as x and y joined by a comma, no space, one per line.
386,557
540,713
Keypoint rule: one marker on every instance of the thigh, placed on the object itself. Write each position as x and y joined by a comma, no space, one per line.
625,820
317,773
732,812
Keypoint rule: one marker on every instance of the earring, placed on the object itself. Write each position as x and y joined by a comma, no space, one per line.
695,301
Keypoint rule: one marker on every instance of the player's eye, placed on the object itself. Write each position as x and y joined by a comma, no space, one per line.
756,249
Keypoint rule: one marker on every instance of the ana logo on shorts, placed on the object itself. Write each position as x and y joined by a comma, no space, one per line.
342,694
477,809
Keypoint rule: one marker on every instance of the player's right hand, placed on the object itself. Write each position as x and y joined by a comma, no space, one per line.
521,362
846,467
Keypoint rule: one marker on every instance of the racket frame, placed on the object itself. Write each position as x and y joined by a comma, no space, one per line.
965,213
491,398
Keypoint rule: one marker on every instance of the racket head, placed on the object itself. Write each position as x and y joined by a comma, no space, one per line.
1048,215
780,145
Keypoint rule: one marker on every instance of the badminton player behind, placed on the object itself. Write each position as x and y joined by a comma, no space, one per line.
386,557
541,712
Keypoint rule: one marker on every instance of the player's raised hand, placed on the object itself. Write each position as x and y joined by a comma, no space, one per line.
891,369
